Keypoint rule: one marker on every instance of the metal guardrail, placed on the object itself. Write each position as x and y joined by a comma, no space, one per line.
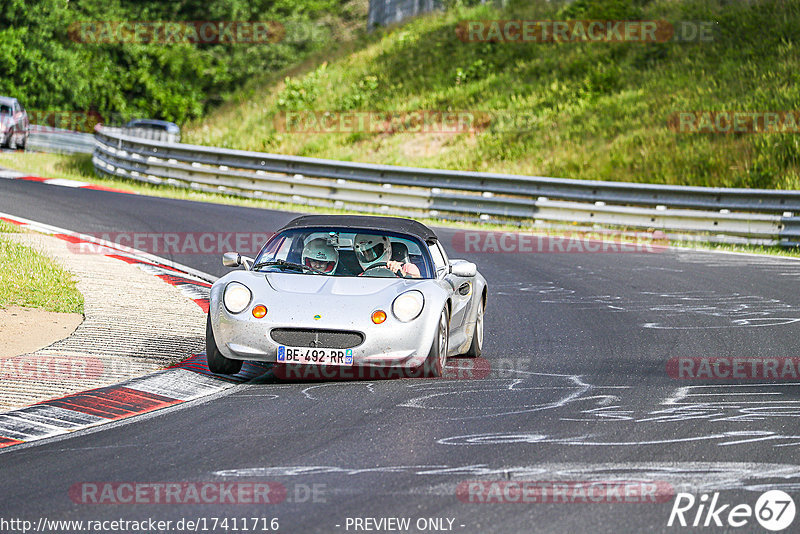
60,141
56,140
753,215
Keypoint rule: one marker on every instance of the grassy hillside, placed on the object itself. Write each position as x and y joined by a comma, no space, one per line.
597,110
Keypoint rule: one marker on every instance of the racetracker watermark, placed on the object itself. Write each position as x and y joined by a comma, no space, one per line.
57,368
331,121
584,31
733,368
456,369
735,122
599,241
263,492
176,32
564,491
424,121
64,121
170,242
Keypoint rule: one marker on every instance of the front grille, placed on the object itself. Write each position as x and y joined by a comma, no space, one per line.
315,338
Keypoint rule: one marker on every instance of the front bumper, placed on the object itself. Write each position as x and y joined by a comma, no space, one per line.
390,344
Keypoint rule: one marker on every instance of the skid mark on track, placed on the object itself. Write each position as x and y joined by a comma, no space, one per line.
568,389
307,392
770,264
730,402
672,310
694,477
743,404
719,438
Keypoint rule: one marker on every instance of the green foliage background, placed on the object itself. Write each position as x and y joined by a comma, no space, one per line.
42,66
591,110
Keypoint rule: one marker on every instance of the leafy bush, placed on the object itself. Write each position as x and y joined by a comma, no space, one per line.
46,66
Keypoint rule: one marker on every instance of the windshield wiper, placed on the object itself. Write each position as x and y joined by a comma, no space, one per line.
288,264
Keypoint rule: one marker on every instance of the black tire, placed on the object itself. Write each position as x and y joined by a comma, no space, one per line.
217,363
12,141
437,357
476,347
24,145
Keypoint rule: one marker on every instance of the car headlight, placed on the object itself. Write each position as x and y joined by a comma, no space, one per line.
236,297
408,306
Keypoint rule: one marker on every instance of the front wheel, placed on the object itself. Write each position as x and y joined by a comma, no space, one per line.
476,347
437,358
12,140
217,363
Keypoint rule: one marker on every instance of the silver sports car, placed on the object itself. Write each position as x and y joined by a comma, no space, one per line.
343,290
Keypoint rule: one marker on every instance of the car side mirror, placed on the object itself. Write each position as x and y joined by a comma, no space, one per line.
231,259
234,259
463,268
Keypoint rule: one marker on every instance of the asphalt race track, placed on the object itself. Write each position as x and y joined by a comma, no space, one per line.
578,346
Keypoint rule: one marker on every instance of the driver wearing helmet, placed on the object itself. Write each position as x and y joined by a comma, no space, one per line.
375,251
319,255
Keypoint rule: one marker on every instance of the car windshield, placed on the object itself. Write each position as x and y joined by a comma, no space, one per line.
5,110
148,125
344,252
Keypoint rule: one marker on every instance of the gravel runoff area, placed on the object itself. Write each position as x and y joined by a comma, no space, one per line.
134,324
24,330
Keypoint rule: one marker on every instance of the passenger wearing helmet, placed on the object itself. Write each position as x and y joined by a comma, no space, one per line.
319,255
374,251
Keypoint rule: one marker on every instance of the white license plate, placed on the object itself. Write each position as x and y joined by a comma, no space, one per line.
309,356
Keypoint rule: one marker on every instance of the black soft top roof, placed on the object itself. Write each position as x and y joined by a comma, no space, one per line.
364,222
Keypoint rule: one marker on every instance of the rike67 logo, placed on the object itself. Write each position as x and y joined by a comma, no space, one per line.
774,510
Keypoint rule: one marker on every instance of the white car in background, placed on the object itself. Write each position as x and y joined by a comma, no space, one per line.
14,124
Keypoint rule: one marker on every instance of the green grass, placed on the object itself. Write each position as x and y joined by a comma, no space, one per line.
598,110
8,228
32,280
79,167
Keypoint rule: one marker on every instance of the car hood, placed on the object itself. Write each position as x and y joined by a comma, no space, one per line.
324,301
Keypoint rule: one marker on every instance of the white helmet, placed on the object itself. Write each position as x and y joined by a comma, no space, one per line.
372,249
319,250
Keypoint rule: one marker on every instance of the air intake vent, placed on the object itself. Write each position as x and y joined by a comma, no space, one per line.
312,337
